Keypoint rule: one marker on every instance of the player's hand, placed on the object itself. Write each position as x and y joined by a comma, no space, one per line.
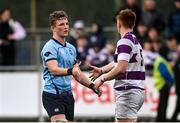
95,73
76,70
95,90
98,91
98,82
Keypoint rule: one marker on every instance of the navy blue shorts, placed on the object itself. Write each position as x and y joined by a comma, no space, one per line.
59,104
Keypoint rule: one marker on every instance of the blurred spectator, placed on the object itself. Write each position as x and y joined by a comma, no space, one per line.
97,56
82,49
142,32
149,56
10,31
172,45
174,21
153,34
132,4
163,76
96,36
111,50
156,45
177,86
78,29
153,17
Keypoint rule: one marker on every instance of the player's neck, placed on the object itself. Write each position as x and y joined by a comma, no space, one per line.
59,39
124,31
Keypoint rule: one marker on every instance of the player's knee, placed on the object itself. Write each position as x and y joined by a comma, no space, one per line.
59,121
125,120
58,118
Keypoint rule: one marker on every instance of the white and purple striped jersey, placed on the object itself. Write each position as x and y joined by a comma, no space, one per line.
129,49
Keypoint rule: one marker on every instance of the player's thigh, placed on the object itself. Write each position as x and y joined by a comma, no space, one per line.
53,104
69,112
128,103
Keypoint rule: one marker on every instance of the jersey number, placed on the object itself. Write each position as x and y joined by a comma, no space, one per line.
142,60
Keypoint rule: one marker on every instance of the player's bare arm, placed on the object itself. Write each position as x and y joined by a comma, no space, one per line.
84,80
80,76
96,72
75,71
118,69
55,70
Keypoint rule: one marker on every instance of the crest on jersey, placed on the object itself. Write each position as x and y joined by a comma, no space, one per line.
47,54
70,51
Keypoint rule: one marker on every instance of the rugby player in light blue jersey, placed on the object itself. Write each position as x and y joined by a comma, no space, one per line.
59,62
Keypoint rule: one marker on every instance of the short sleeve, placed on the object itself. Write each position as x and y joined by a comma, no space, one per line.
124,48
49,53
75,54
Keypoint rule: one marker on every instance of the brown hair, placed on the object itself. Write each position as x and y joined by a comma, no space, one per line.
56,15
127,17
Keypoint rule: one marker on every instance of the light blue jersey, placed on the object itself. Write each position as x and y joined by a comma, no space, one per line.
66,58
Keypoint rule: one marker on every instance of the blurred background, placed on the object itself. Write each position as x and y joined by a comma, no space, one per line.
24,29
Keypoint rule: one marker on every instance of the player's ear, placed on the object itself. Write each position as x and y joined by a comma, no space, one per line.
52,29
118,25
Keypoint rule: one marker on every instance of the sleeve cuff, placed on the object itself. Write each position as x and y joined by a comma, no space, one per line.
50,59
123,56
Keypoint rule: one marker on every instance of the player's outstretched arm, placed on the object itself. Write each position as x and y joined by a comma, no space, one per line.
55,69
119,69
75,71
96,72
84,80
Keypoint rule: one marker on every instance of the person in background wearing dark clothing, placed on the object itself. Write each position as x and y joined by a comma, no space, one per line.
174,21
153,17
111,48
10,31
142,32
149,56
96,36
7,47
82,50
177,86
97,56
173,53
132,4
164,79
153,34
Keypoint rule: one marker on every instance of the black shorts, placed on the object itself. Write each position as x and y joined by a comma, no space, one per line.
59,104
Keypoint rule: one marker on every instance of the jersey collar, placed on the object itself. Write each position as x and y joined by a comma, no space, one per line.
59,42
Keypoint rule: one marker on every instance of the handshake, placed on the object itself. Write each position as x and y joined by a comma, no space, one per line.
84,80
